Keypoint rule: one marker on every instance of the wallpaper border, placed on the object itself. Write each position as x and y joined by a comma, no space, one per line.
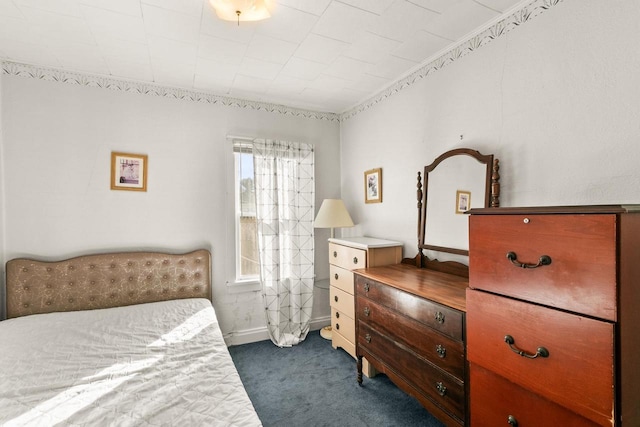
499,29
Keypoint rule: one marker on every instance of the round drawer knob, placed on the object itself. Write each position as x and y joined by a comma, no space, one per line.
442,352
511,420
335,254
367,338
439,316
526,220
355,259
366,287
335,298
367,311
335,276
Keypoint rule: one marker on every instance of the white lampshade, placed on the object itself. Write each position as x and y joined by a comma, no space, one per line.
242,10
332,214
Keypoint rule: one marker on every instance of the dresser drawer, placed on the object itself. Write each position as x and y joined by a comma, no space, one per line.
494,401
582,248
439,317
344,324
578,372
341,278
346,257
341,301
439,349
441,388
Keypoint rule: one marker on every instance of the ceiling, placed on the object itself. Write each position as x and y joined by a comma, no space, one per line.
323,55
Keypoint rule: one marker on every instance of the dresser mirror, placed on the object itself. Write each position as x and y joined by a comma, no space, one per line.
453,183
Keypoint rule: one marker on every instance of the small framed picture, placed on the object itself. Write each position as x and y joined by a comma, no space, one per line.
128,171
373,186
463,201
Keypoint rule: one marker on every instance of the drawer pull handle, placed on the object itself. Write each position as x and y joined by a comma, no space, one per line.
442,390
335,298
544,260
511,420
541,351
442,352
439,316
337,315
335,254
338,326
367,311
355,259
366,287
367,338
336,276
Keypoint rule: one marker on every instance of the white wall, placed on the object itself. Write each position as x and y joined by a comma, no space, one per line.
557,100
57,144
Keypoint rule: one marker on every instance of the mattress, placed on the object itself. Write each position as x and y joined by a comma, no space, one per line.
153,364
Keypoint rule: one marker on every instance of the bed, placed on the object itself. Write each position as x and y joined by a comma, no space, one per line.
127,339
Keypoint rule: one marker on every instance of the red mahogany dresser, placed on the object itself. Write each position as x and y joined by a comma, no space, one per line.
553,316
410,326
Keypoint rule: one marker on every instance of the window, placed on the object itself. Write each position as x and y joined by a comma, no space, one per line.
247,263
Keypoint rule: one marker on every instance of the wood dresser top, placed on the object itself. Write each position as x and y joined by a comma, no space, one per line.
442,288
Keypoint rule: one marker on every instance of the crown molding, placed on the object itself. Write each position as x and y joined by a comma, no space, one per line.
122,85
470,44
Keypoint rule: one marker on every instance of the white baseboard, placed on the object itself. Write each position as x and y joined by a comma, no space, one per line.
260,334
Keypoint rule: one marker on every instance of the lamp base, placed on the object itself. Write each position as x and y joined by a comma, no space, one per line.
326,332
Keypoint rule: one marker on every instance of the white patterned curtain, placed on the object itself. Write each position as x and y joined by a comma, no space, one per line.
285,205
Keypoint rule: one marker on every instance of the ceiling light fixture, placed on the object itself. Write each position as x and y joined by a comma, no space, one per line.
242,10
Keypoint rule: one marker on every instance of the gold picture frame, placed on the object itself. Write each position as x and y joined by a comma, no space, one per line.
463,201
128,171
373,186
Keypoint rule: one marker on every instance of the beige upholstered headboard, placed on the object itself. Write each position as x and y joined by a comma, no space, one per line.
105,280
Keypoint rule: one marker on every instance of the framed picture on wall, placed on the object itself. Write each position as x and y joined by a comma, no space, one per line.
128,171
373,186
463,201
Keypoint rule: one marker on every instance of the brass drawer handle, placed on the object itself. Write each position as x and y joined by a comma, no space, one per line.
337,315
338,326
511,420
367,311
442,352
544,260
439,316
367,338
442,390
540,352
366,287
335,298
355,259
335,276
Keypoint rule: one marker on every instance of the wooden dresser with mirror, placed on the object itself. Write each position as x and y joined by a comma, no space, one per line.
410,317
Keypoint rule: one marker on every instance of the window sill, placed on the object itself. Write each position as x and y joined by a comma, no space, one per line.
240,286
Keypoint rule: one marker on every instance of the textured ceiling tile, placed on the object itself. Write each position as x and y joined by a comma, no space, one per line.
221,69
171,25
129,70
497,5
420,46
303,69
126,50
126,7
343,22
315,7
261,69
368,83
438,5
61,28
188,7
82,57
320,49
347,68
288,24
19,30
401,20
329,83
115,25
371,48
377,7
60,7
391,67
221,49
27,52
8,9
270,49
244,83
172,50
217,84
460,20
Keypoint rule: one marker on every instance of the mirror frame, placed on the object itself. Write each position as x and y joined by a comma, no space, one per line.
491,199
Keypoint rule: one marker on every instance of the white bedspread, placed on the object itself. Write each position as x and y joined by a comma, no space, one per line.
152,364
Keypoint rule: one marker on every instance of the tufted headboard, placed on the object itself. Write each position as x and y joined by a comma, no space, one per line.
105,280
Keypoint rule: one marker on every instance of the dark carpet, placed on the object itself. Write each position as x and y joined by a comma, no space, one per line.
312,384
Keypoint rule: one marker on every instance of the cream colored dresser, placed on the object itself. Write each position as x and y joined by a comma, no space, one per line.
346,255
